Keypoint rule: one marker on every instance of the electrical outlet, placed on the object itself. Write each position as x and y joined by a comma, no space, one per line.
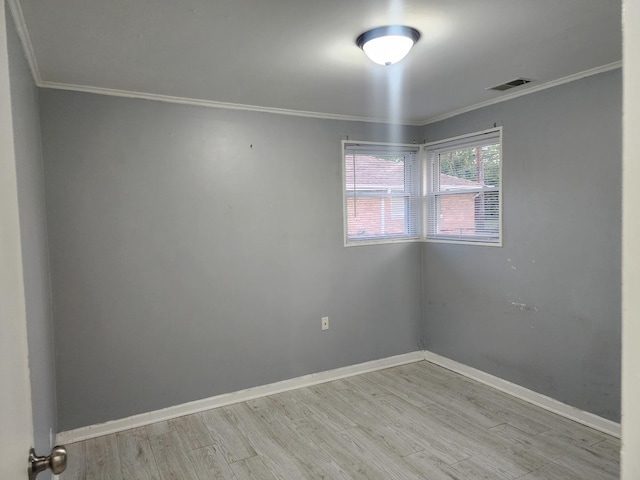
325,323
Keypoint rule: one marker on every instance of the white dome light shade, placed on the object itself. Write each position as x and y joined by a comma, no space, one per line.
388,45
387,50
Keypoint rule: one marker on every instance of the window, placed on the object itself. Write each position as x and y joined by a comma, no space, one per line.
381,192
446,191
463,202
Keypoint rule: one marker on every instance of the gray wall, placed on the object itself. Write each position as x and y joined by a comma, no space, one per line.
561,253
31,204
194,251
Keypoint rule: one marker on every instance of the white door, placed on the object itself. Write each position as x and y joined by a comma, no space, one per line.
16,431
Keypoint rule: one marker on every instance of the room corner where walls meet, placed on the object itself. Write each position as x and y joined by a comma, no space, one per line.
543,311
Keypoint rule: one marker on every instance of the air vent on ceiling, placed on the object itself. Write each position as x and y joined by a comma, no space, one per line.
512,84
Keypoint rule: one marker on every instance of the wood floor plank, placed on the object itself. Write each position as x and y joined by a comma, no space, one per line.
252,468
433,378
445,394
505,455
136,458
257,403
365,386
210,463
508,408
400,387
482,468
192,431
226,437
542,419
328,413
431,467
275,458
158,428
376,455
552,471
307,456
104,459
290,406
171,457
434,370
463,434
363,410
333,444
576,433
556,449
76,458
340,383
527,417
578,458
609,448
450,446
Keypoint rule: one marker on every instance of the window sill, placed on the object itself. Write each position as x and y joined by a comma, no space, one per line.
380,241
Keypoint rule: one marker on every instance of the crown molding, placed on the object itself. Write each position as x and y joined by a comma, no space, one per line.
520,93
326,116
214,104
23,34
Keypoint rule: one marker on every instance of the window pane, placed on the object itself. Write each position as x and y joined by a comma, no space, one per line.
488,213
381,193
472,167
456,214
464,190
468,214
375,216
368,173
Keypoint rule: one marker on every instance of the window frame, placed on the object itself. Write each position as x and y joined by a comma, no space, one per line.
417,185
448,144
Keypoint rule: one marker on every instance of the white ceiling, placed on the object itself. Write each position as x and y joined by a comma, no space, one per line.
301,54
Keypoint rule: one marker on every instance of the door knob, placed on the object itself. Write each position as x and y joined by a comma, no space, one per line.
56,462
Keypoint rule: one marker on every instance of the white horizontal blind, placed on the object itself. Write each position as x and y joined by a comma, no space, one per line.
464,200
381,192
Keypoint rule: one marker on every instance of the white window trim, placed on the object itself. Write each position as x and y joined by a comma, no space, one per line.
419,213
427,181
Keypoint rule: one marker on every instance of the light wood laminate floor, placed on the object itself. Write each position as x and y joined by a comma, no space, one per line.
416,421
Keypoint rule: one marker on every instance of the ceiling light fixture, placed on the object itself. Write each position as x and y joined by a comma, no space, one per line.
388,45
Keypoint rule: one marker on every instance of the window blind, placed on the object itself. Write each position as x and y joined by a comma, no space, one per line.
463,201
381,192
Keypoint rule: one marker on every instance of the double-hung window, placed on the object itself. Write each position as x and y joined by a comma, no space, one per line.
445,191
463,202
381,192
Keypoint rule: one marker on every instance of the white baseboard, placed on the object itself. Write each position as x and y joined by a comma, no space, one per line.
548,403
197,406
567,411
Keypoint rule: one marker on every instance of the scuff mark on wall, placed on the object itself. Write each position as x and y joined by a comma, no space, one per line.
524,306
